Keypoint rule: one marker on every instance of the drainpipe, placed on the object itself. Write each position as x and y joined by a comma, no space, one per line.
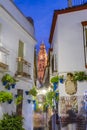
69,3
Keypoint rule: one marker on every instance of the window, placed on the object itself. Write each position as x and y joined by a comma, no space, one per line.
84,24
21,55
54,63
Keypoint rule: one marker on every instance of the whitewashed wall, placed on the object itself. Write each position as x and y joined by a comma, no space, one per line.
68,41
9,6
68,46
10,34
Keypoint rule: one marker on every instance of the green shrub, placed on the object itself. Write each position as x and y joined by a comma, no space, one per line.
11,122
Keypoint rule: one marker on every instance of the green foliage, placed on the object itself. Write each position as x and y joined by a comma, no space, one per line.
9,80
50,97
6,77
36,105
11,122
5,96
61,77
55,79
80,76
33,91
18,100
45,105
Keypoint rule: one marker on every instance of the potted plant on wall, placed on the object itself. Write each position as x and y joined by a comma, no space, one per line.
8,81
50,97
55,81
5,96
33,91
80,76
18,99
61,78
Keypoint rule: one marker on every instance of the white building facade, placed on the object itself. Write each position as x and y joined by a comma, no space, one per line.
17,41
68,39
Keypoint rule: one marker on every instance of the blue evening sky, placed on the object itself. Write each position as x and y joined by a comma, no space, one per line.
42,13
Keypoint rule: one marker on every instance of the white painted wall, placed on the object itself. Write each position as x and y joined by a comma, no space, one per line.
68,41
17,15
10,34
68,45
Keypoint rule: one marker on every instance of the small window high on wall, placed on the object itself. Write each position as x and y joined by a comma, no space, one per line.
84,24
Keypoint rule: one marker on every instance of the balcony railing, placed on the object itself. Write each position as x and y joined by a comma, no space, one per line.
78,2
23,68
72,3
4,59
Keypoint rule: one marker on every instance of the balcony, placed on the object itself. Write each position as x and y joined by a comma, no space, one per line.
3,59
23,69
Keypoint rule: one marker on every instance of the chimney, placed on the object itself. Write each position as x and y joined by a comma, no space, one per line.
69,3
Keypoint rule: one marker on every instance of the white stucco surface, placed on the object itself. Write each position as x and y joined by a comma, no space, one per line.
14,27
68,41
68,45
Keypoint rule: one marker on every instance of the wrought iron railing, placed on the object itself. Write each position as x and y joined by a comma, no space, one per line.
78,2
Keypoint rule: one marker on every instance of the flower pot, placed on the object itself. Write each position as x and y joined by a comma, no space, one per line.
29,101
26,92
57,94
61,81
55,86
34,101
10,101
13,85
4,83
8,88
15,95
